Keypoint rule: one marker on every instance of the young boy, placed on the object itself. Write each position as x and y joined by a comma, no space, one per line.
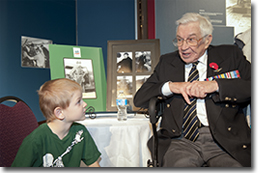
60,142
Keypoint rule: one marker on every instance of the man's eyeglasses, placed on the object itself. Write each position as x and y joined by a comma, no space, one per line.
191,41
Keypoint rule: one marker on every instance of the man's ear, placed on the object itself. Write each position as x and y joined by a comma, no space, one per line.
59,113
208,41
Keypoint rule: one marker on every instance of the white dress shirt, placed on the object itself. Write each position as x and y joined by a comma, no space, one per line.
202,68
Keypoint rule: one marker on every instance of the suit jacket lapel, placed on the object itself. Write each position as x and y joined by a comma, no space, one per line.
177,69
210,106
177,105
212,58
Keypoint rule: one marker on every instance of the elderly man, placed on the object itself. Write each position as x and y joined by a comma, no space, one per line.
205,88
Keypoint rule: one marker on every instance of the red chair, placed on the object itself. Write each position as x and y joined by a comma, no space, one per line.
16,123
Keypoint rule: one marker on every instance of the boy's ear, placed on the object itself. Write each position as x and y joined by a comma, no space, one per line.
58,113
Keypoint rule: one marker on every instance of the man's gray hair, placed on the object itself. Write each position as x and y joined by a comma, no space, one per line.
206,27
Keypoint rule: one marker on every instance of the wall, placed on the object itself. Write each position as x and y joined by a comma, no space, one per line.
103,20
52,20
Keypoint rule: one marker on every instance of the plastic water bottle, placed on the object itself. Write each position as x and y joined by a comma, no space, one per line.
121,103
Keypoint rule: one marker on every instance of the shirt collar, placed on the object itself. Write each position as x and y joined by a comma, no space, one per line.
203,58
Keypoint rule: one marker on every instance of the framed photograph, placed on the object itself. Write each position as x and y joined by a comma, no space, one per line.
81,71
84,65
129,64
35,52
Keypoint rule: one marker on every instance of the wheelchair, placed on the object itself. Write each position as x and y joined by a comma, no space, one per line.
155,110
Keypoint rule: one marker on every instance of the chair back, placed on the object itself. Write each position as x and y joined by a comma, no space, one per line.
16,122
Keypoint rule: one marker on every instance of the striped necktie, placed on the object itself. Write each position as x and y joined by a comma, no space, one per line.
190,119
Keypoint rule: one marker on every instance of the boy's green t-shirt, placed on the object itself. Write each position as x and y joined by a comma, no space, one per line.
44,148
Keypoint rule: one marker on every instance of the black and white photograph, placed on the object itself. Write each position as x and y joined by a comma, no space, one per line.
125,83
143,61
140,80
81,71
124,62
35,52
238,14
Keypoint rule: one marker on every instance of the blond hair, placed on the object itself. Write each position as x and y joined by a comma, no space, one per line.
56,93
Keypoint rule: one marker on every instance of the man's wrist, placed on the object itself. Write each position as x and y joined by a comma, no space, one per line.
216,83
166,89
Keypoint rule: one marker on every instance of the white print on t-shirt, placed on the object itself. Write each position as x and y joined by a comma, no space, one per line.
48,158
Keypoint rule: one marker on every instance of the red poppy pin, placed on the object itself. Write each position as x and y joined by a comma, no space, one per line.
215,67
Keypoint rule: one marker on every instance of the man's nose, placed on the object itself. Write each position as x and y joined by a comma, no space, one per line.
185,45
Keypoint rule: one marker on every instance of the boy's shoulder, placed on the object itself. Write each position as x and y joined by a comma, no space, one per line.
40,129
43,131
77,126
37,133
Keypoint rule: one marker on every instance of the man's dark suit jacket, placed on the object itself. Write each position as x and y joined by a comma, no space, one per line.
224,108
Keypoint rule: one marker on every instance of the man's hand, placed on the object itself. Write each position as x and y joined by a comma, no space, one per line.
198,89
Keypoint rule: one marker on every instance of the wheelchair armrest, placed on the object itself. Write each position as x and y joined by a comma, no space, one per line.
156,107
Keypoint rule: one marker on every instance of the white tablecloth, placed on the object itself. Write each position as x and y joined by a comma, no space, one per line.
122,143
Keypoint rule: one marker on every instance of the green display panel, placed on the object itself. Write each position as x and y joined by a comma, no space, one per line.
84,65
